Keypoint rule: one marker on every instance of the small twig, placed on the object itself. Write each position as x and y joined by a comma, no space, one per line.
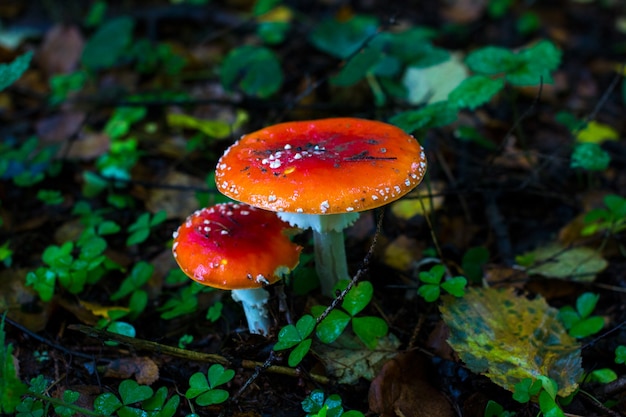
47,341
141,344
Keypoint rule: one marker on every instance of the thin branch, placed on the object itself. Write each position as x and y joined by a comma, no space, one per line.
141,344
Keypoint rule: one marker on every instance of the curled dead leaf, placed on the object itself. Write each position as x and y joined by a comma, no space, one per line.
145,370
402,389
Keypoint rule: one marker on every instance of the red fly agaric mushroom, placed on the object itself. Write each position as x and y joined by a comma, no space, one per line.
240,248
320,174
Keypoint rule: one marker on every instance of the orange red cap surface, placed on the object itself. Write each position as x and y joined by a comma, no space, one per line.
234,246
325,166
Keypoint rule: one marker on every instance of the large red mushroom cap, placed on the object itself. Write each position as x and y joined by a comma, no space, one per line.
327,166
234,246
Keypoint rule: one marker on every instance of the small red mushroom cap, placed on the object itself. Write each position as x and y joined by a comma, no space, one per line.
234,246
327,166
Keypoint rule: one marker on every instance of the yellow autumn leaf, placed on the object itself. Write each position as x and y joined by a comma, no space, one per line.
419,202
100,310
282,14
217,129
509,338
597,133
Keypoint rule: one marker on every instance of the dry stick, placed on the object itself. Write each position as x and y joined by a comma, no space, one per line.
140,344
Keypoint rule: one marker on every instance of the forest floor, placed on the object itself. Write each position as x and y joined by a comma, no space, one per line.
89,144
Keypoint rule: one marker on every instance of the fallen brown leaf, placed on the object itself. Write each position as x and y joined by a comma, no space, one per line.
402,389
145,370
61,49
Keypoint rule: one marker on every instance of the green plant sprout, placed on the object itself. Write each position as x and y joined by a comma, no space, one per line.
493,409
544,390
25,162
6,254
72,271
590,157
317,405
185,340
140,229
50,197
296,335
139,275
255,70
602,376
611,219
368,329
11,388
133,400
203,388
431,284
214,312
579,322
493,68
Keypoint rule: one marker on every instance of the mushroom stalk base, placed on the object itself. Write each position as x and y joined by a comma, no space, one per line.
330,259
254,303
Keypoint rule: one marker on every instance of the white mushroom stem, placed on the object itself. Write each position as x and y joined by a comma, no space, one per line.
254,302
330,260
330,251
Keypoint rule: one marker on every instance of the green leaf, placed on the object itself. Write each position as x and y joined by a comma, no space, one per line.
313,402
217,375
475,91
342,39
197,385
429,292
357,67
288,337
590,157
568,316
548,406
139,276
358,297
586,303
329,329
107,45
428,117
473,261
11,72
535,63
291,335
107,404
123,328
491,60
299,352
587,327
433,276
11,388
369,330
214,396
455,286
509,338
131,392
253,69
603,376
525,389
42,281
